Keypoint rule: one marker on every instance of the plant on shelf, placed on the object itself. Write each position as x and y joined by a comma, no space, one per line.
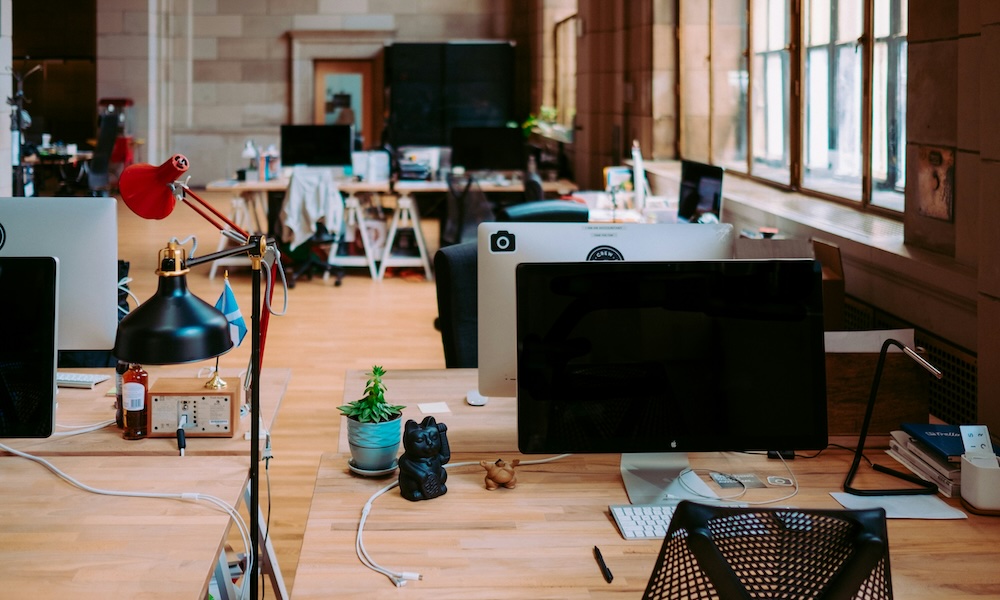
373,427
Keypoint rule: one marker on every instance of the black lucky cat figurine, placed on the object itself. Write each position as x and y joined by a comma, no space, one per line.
422,474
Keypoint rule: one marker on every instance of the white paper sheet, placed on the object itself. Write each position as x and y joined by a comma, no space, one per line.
902,507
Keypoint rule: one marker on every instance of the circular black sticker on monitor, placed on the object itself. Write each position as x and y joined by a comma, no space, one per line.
605,253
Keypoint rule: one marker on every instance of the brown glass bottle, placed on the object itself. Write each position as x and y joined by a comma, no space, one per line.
135,402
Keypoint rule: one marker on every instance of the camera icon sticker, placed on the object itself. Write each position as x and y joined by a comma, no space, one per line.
502,241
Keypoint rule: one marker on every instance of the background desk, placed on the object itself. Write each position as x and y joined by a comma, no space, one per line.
59,542
536,540
250,201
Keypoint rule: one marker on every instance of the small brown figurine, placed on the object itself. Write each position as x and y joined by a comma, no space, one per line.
500,473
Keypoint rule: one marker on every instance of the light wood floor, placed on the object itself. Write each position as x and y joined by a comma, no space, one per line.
325,331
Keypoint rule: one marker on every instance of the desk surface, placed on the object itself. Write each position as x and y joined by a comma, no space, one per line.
535,541
87,407
280,185
405,186
562,186
59,542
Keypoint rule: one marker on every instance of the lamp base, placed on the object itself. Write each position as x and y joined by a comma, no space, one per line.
208,412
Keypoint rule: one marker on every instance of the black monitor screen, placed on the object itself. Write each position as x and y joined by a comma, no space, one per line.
701,190
28,352
619,357
488,148
316,145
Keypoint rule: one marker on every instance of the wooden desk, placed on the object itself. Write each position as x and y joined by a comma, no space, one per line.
536,541
87,407
59,542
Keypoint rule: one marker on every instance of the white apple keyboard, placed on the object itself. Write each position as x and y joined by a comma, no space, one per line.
642,521
85,381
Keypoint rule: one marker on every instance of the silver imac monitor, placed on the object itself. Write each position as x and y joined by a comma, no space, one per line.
82,232
504,245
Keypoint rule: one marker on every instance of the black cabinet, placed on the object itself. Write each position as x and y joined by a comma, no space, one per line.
434,87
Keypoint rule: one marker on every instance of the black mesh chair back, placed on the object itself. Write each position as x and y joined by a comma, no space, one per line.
741,553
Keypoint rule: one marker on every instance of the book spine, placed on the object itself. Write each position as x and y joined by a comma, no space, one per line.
929,458
947,487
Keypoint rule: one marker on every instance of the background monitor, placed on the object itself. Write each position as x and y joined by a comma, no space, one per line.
488,148
82,232
317,145
502,246
670,357
701,191
28,305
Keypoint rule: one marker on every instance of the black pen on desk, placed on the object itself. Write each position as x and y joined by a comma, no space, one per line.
604,566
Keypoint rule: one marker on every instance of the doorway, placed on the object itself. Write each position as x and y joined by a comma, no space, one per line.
344,93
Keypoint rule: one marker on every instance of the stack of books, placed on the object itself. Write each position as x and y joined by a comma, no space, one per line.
931,451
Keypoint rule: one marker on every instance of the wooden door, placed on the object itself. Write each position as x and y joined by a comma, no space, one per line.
344,92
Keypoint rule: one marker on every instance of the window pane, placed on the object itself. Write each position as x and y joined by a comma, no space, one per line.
889,124
817,105
769,92
882,27
776,34
729,85
850,20
818,22
840,173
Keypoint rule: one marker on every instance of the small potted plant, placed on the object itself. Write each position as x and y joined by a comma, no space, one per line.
373,428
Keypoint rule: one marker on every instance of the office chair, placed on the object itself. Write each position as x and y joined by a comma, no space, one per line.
314,258
742,553
466,208
312,211
455,269
533,190
456,273
97,169
552,211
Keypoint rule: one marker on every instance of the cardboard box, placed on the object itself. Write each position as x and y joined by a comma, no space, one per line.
826,253
850,372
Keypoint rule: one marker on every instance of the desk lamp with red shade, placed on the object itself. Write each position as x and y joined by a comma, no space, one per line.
175,326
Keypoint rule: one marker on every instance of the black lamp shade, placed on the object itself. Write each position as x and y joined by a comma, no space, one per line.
172,327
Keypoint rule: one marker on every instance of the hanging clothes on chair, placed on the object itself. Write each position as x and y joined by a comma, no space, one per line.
312,196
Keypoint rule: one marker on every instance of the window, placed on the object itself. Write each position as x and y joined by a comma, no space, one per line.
808,94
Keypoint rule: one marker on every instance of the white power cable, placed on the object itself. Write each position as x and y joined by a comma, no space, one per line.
743,491
234,515
399,578
80,429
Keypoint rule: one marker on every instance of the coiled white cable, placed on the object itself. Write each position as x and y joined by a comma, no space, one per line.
399,578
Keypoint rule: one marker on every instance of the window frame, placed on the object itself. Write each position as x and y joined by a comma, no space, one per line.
796,113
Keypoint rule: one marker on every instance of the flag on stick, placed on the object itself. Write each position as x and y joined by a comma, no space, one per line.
227,306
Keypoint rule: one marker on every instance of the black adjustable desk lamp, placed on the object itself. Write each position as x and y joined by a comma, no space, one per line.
923,487
174,326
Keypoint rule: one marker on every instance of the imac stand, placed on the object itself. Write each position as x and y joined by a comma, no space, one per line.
660,478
